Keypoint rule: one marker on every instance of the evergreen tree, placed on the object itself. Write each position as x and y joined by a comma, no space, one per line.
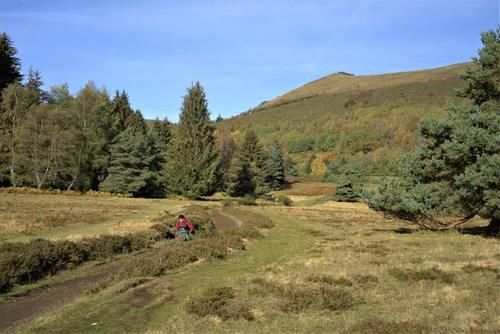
10,65
249,168
121,112
241,180
347,191
136,122
193,155
276,168
162,131
135,166
252,153
34,85
458,171
227,147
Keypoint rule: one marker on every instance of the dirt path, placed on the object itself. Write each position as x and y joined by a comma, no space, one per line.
26,307
223,222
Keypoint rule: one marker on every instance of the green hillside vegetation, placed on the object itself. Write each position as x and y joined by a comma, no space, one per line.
367,118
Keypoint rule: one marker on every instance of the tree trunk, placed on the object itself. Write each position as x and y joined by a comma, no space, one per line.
494,226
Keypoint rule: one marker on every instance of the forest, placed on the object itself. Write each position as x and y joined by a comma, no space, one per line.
92,141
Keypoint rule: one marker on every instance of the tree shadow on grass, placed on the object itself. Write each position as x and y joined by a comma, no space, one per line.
482,231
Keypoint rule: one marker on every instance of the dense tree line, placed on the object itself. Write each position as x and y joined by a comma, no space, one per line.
90,141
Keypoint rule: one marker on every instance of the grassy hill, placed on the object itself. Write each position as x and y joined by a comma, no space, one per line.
369,119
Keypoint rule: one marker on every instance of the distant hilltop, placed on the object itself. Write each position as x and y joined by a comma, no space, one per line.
366,117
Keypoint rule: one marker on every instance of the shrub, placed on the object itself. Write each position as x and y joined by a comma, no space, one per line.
284,200
319,278
220,302
472,268
247,200
199,216
418,275
296,299
299,145
28,262
347,191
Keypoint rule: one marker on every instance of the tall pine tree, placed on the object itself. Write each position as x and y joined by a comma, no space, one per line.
10,66
193,155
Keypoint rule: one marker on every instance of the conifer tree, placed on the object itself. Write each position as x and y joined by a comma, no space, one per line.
276,168
241,180
227,148
193,155
135,166
249,168
121,112
10,65
34,85
458,170
162,131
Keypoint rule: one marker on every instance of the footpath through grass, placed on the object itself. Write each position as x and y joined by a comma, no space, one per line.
160,303
329,268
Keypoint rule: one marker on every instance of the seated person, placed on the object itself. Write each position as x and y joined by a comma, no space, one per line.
183,228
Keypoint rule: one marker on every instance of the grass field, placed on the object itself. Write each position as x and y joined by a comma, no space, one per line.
323,268
28,216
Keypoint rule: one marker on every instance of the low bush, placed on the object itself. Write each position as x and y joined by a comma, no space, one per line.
199,216
175,255
297,299
327,279
283,200
472,268
28,262
365,279
247,200
434,274
220,302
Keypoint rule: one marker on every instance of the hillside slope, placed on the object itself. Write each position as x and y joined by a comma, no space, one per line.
371,119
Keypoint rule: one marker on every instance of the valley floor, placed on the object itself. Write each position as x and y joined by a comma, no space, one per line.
324,268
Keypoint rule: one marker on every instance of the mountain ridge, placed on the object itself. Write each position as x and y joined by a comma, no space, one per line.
372,119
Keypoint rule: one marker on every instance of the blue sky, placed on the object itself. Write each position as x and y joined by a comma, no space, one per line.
243,52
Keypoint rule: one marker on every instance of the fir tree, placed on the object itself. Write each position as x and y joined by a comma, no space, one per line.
121,112
346,190
227,148
162,131
135,166
252,153
193,155
241,180
10,65
276,168
34,85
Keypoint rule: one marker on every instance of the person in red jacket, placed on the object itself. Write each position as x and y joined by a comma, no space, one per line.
183,228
